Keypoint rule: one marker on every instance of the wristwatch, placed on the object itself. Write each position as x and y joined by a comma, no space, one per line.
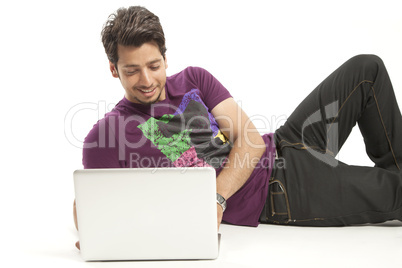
221,201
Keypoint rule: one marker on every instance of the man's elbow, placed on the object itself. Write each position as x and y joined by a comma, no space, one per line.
256,143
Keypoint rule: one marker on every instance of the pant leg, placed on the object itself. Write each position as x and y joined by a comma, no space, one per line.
358,91
323,191
309,192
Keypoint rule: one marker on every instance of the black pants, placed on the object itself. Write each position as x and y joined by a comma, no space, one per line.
309,186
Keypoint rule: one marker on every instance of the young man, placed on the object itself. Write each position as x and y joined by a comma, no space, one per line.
190,119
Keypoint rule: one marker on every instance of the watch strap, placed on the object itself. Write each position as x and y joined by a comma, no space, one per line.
221,201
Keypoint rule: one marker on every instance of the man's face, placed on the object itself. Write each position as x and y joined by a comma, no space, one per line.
142,73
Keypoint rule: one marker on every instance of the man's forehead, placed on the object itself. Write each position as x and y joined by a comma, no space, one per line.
131,56
138,65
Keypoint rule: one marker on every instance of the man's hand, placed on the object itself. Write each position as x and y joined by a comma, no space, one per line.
220,215
76,223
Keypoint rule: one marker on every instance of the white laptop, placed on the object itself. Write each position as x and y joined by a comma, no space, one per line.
147,213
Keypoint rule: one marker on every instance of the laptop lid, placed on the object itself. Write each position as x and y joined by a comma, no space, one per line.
147,213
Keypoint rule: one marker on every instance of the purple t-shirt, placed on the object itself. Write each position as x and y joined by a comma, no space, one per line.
179,131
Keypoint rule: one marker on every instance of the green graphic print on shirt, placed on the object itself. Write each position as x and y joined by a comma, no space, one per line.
190,137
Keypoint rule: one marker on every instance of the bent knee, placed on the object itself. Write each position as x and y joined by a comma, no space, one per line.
366,60
368,63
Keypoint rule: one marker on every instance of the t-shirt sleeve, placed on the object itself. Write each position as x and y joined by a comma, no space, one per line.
212,90
101,149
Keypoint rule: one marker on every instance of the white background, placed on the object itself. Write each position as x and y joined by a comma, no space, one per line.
269,54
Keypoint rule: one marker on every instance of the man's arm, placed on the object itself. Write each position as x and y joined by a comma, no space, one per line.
75,215
77,244
247,145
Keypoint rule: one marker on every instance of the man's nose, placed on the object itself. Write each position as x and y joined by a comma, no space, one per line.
145,79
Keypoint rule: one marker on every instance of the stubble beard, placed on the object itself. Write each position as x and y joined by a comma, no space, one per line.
150,102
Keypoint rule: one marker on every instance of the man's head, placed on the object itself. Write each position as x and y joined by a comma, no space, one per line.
135,46
132,26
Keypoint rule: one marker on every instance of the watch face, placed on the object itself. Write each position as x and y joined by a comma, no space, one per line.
221,201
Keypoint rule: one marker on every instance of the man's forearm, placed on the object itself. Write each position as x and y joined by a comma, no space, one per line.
75,215
243,158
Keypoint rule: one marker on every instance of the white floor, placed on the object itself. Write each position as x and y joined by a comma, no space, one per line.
265,246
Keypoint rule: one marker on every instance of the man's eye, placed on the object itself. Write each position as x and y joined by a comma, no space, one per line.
154,68
131,72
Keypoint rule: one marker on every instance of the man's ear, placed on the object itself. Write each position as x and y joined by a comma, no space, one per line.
113,70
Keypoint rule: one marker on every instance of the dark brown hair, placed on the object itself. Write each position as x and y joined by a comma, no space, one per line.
131,26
